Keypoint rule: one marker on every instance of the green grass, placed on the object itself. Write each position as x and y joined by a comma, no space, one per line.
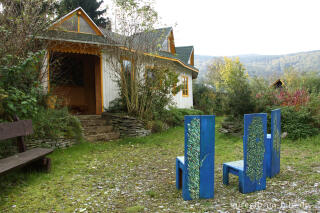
138,175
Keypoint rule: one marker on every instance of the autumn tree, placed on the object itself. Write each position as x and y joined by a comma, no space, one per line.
229,77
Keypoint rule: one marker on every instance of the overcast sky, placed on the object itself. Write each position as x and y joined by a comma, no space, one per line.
233,27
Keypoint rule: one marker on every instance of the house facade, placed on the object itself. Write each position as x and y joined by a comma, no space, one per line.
79,72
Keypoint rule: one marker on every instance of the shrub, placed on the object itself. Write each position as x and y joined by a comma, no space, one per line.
16,102
230,78
175,116
207,100
56,123
117,105
262,95
158,126
314,107
297,98
297,123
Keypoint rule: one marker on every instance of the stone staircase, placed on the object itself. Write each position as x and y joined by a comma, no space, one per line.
95,128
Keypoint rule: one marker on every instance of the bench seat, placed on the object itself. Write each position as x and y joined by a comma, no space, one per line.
22,159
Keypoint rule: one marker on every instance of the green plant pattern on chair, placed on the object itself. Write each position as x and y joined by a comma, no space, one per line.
256,149
276,137
193,154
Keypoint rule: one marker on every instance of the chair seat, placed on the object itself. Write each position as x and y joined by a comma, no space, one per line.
234,167
181,159
268,136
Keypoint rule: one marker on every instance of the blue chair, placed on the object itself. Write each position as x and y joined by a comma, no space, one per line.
274,142
252,170
195,170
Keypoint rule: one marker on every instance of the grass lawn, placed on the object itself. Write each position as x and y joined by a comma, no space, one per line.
138,175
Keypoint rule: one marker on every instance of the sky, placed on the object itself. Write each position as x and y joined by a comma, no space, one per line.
237,27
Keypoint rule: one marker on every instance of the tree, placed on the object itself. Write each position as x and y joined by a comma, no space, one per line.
21,21
90,6
229,77
145,88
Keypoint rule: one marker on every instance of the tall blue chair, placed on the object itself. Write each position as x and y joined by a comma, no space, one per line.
252,170
195,170
274,142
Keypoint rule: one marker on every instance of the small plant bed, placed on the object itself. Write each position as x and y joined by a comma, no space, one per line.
138,175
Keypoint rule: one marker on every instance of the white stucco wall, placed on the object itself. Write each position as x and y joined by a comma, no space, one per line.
180,100
110,87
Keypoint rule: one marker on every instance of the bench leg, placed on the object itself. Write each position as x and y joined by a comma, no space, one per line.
46,164
225,175
43,164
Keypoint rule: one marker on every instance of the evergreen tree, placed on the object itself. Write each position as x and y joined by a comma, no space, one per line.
91,7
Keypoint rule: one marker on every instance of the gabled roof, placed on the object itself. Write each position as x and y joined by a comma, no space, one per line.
171,57
278,83
87,17
184,53
75,37
156,37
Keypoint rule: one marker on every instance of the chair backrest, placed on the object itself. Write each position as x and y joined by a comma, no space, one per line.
15,129
276,140
199,156
254,147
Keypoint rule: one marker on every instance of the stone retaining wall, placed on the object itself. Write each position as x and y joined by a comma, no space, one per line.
127,126
59,143
10,148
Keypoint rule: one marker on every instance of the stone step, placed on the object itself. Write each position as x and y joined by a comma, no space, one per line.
96,122
88,117
103,136
92,130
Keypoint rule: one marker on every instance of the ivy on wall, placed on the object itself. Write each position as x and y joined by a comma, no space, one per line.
255,150
193,153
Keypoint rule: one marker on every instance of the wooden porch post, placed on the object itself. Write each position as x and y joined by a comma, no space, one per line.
99,85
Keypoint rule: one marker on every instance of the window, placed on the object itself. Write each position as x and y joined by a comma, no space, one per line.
127,67
77,23
185,88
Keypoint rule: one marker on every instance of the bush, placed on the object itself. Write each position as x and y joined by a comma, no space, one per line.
298,123
56,123
16,102
175,116
207,100
158,126
262,95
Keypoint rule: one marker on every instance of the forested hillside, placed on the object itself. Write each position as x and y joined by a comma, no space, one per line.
269,66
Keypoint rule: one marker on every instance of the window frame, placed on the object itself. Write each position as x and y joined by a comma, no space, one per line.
132,72
185,89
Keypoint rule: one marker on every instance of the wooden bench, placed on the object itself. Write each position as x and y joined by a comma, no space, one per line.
36,156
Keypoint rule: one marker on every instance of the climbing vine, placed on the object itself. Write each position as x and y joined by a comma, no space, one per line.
276,136
193,153
255,150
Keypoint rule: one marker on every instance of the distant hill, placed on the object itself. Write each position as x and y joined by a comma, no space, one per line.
269,66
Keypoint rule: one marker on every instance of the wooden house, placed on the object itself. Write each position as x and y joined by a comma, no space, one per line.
83,77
